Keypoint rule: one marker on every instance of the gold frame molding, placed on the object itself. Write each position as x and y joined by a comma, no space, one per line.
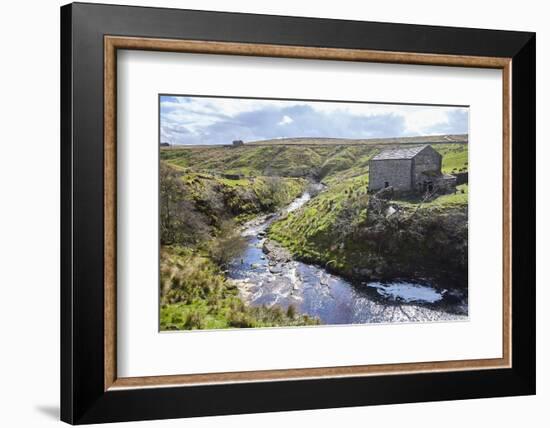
113,43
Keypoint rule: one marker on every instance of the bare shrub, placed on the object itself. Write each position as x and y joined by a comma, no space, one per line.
227,245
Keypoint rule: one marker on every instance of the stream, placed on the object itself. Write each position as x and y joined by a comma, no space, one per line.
332,299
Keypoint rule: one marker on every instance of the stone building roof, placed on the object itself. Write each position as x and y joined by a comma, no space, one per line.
400,153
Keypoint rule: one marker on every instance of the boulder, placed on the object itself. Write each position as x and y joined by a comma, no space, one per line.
275,252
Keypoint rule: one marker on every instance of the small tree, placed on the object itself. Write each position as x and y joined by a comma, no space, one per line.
227,245
291,312
272,195
180,222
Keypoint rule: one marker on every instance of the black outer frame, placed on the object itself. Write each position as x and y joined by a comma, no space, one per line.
83,399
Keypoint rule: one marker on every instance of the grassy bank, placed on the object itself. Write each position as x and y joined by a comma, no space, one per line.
316,232
342,230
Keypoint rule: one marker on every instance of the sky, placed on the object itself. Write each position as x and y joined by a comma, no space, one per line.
202,120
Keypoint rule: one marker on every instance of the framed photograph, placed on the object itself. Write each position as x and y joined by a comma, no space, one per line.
266,213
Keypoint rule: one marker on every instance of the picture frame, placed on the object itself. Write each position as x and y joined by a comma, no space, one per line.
91,391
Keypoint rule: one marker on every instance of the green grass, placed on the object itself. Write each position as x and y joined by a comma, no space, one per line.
458,199
234,182
452,200
455,157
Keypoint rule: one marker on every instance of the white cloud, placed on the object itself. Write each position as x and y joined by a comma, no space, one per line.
285,120
420,121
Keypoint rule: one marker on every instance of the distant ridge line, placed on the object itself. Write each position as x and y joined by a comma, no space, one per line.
428,139
312,141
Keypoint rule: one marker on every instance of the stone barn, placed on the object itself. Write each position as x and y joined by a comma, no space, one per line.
409,169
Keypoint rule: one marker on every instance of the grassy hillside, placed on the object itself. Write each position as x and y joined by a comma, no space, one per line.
455,158
322,162
285,161
251,161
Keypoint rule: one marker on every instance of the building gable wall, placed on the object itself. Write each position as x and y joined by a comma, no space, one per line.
395,172
427,161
